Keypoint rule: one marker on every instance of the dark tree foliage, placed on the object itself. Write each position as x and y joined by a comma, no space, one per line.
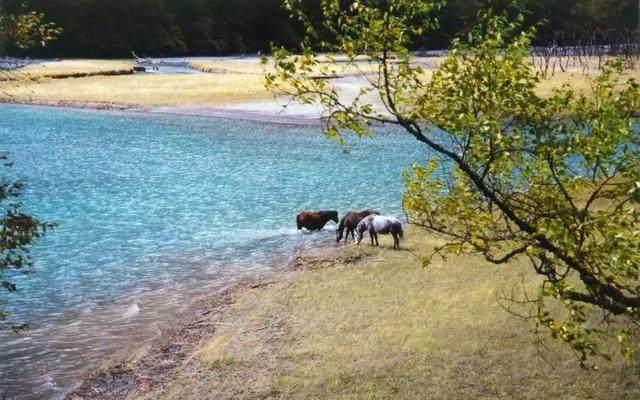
108,28
99,28
25,29
575,19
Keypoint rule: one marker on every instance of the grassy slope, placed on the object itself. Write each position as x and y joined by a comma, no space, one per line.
382,327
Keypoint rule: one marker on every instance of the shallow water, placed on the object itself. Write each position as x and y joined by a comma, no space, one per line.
155,210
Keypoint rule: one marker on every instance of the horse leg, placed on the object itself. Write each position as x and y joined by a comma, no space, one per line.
396,243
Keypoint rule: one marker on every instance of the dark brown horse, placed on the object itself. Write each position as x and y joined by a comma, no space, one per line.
350,221
315,221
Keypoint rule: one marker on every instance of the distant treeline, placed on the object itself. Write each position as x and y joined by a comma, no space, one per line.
112,28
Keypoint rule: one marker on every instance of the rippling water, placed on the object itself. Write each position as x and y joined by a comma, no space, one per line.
154,210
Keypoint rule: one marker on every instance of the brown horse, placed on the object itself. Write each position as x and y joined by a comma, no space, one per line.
350,221
315,220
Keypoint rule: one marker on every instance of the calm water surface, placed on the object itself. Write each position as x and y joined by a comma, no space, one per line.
156,210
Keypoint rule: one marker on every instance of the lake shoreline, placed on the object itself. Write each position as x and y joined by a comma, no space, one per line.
152,366
180,186
248,111
359,322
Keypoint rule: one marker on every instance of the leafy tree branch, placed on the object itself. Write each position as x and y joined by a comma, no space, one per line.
549,180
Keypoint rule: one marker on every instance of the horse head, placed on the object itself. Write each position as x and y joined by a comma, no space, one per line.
359,235
360,231
365,224
340,230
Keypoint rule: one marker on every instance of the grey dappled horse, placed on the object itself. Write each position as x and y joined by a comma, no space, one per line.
379,224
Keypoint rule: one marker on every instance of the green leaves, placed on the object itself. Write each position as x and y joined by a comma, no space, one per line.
28,29
549,181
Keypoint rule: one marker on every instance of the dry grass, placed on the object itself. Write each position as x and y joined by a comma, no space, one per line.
253,67
579,82
382,327
140,89
215,352
70,68
249,66
577,74
228,81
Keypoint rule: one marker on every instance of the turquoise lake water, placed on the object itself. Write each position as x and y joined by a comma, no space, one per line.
153,209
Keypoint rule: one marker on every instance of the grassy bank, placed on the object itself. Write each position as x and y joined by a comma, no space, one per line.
358,322
336,68
69,69
101,84
140,90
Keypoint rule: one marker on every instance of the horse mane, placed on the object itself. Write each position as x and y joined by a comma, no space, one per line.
363,222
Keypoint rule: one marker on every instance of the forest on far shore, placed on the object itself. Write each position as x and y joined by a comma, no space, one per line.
113,28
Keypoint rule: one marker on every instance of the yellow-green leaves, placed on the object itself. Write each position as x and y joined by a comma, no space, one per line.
28,29
550,181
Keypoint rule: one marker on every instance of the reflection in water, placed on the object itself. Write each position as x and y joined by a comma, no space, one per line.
155,212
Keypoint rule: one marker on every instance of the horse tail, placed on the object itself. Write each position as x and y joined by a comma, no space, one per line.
401,232
298,222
